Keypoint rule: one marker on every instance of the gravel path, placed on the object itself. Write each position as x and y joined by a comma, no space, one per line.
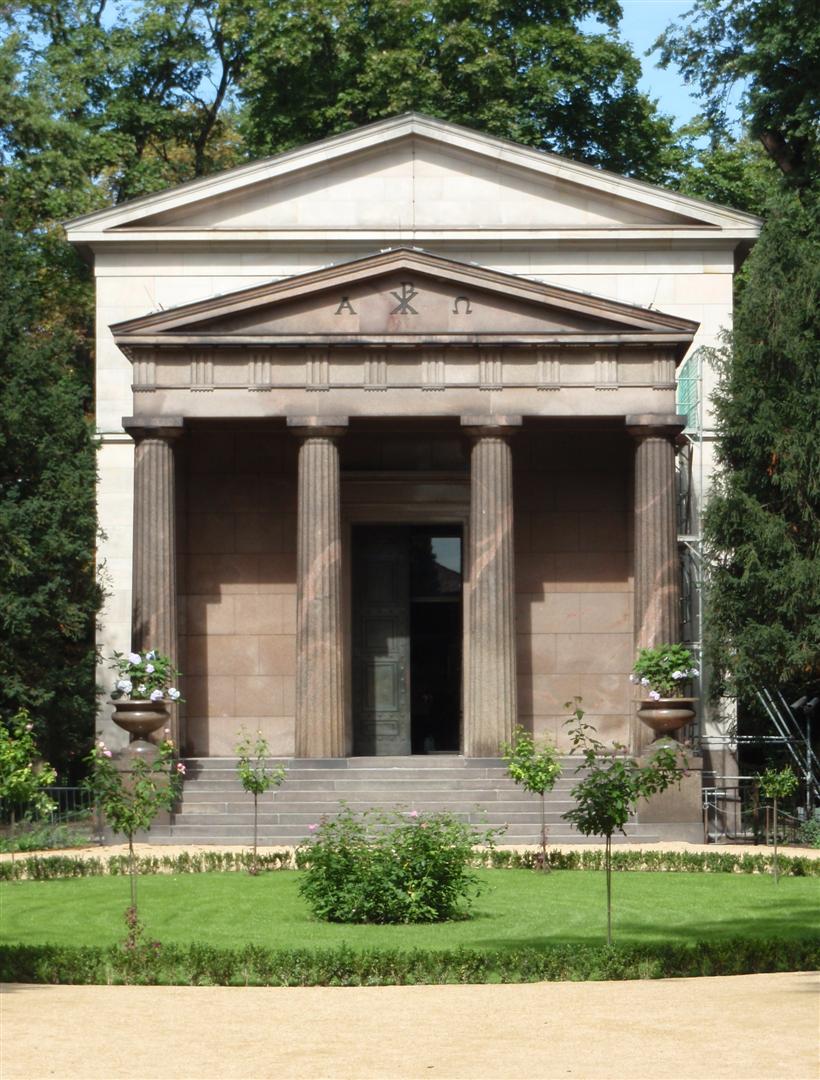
103,851
749,1026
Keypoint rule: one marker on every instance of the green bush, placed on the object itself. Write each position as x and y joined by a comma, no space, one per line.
809,833
381,867
253,965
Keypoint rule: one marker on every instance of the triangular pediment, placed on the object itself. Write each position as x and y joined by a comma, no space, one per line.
402,295
410,173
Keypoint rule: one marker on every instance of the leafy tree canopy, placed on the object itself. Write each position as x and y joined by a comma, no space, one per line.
772,50
527,72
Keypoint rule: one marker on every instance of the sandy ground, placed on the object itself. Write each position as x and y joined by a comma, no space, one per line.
748,1027
104,851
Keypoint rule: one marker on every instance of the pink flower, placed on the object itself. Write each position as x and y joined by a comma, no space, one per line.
180,768
414,813
654,695
107,753
312,828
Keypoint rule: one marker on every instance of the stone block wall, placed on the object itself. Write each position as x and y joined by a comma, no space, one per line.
238,586
574,579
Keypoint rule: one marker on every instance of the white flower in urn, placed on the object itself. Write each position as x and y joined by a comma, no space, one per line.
661,670
144,676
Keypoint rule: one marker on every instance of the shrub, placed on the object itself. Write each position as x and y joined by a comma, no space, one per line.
389,868
254,965
809,833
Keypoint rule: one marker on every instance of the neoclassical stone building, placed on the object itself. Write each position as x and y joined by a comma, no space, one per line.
388,436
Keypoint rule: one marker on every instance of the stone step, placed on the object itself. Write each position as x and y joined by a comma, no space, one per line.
315,813
395,791
330,801
307,776
475,815
425,761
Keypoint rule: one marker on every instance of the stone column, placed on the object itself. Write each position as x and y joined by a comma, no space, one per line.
657,571
491,706
154,559
320,700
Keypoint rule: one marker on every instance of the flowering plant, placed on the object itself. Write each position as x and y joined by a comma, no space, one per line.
144,677
660,671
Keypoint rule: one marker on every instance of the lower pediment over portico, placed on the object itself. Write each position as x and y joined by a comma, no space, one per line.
400,333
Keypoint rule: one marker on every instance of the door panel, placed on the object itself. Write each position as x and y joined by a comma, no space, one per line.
381,640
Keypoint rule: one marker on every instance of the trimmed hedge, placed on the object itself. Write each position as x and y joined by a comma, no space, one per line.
55,867
203,965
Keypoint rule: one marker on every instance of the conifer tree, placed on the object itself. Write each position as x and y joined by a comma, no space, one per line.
48,589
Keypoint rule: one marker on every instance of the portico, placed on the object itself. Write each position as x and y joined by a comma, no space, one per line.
456,357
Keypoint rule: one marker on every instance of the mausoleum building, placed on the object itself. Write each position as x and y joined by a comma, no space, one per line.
389,432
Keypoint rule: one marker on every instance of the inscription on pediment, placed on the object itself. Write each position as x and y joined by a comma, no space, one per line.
403,304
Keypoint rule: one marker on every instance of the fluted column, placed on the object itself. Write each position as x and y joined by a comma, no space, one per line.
657,570
492,693
154,560
320,702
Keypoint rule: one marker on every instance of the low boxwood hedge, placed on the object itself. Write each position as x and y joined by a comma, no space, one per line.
204,965
55,867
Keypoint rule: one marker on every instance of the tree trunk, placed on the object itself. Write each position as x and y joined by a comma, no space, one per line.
255,830
774,860
608,860
132,873
544,863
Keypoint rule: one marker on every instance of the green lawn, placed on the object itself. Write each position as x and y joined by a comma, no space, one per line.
516,909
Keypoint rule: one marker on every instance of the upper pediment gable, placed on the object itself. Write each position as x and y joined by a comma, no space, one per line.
409,173
402,294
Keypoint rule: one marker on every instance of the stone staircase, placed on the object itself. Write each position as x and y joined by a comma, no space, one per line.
215,810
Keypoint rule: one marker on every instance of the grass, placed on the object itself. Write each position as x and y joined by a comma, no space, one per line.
517,909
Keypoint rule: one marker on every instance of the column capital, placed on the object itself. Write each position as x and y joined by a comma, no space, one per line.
655,425
317,427
492,425
153,427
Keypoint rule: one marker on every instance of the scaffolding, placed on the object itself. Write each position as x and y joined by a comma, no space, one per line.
690,506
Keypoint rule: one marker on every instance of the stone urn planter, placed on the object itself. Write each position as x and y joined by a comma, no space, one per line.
140,718
667,714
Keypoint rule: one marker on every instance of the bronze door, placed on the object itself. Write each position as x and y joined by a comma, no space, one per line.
381,641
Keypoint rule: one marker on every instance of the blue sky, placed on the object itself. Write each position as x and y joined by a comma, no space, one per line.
643,22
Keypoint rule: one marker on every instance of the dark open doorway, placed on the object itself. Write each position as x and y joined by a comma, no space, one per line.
407,639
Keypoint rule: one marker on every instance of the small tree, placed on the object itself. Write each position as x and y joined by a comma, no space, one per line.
535,768
777,785
256,776
610,791
131,798
23,775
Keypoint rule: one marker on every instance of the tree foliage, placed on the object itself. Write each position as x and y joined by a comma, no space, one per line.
48,589
771,50
762,523
534,73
